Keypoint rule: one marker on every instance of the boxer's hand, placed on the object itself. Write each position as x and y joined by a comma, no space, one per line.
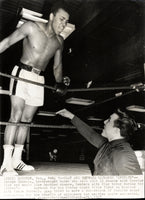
65,113
60,89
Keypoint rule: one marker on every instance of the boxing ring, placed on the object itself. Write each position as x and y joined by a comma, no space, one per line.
50,168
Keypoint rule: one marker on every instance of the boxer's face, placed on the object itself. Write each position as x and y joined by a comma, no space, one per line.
59,21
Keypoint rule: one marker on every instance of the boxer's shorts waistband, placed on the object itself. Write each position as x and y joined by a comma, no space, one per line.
30,68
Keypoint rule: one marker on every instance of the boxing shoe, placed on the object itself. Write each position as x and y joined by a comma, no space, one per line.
21,166
7,171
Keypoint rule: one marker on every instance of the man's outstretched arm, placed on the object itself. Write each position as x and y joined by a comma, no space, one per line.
86,131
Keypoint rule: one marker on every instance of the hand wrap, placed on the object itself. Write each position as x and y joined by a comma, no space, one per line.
60,89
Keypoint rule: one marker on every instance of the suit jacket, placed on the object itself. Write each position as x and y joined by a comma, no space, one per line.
113,158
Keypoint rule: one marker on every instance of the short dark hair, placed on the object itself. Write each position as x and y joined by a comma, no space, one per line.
125,123
60,5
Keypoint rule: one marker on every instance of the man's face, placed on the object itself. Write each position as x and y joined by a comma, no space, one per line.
109,128
60,20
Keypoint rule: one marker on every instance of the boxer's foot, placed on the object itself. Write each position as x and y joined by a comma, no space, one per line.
21,166
8,171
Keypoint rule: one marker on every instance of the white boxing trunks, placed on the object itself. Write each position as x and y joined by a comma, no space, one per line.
32,94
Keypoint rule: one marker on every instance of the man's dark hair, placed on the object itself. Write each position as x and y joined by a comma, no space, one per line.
60,4
125,123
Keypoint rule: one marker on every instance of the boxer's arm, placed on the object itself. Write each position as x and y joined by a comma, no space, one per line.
60,87
57,67
16,36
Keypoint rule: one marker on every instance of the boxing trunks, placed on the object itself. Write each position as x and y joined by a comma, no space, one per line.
31,93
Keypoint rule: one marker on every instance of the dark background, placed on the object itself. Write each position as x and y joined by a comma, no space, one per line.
107,48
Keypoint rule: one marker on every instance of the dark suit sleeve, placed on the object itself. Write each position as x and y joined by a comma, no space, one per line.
126,164
86,131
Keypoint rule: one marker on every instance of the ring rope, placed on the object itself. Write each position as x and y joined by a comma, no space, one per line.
106,100
43,126
135,86
100,89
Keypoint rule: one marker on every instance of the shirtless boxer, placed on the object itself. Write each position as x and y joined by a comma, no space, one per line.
40,43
